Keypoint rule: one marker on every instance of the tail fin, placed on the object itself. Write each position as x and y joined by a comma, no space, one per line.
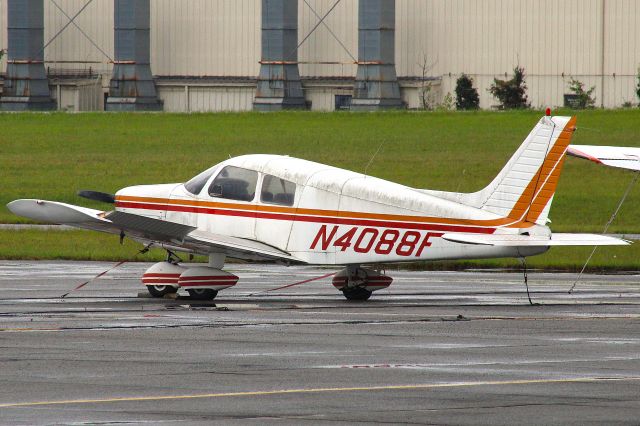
524,189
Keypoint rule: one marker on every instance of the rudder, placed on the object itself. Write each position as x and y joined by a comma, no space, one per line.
524,189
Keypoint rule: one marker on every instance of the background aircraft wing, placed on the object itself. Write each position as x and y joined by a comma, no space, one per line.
612,156
148,230
555,239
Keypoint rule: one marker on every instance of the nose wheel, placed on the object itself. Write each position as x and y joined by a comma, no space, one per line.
161,290
202,293
201,282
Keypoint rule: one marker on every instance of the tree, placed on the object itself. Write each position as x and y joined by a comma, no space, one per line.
466,95
426,97
585,98
511,93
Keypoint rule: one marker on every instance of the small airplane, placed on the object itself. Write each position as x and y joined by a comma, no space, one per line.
293,211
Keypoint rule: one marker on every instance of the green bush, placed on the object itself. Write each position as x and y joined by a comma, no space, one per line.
511,93
466,95
585,97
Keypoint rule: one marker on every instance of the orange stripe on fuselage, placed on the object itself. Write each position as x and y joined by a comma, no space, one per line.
314,212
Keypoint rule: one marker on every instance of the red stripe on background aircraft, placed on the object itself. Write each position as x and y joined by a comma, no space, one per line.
278,208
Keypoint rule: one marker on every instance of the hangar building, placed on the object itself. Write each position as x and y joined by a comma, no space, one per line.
235,55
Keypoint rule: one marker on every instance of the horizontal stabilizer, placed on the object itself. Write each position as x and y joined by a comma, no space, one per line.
535,241
612,156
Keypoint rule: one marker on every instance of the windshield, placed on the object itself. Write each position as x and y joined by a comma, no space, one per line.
235,183
196,184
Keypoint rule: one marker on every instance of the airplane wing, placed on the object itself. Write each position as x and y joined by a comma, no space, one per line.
535,241
612,156
146,230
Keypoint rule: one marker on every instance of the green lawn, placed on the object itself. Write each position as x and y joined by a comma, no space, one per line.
51,156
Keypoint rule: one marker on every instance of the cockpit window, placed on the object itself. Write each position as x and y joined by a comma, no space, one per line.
196,184
234,183
277,191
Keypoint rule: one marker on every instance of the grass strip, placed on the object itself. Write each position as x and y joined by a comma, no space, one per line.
51,156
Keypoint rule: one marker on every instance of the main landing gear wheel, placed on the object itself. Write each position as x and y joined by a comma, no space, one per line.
357,293
161,290
202,293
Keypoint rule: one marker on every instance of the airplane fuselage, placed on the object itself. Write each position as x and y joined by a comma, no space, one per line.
323,214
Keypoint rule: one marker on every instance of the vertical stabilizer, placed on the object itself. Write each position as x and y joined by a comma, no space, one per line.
524,189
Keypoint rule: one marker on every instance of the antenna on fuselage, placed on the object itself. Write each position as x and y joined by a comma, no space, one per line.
373,156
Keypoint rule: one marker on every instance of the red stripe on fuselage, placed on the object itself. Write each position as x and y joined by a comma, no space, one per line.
310,219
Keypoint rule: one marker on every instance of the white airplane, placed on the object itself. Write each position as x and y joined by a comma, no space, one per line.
278,208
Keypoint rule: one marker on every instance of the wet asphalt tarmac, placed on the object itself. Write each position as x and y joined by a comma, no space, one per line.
434,348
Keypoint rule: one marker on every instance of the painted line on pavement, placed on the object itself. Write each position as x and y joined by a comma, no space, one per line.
326,390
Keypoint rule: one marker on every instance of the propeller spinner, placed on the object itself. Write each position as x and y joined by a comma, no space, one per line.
98,196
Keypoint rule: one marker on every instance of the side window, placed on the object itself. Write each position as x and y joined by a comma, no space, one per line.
234,183
277,191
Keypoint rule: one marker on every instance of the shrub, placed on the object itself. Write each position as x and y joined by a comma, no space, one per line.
585,98
511,93
447,103
425,96
466,95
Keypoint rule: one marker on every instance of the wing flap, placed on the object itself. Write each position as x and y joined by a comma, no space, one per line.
149,227
535,241
238,248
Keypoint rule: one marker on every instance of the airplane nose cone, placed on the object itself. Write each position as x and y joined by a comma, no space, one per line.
137,193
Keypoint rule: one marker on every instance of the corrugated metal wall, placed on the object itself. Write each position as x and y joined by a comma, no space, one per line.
206,98
96,21
205,37
622,50
552,39
321,45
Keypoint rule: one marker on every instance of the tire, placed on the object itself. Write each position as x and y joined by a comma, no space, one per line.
358,293
202,294
161,290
